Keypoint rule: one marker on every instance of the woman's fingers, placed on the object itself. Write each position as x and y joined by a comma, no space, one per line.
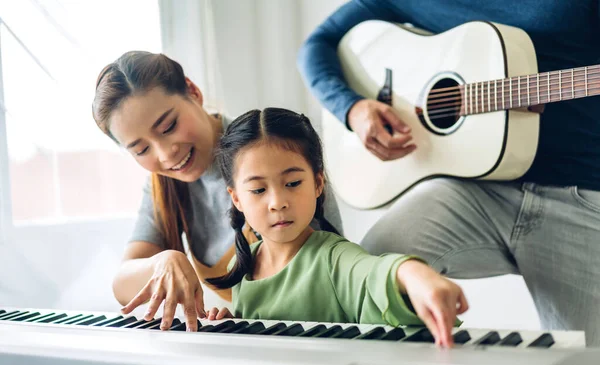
168,312
199,299
191,316
155,301
139,299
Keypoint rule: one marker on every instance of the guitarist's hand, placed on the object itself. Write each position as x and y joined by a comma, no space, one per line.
368,118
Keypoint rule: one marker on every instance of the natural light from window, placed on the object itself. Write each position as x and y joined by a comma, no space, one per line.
61,166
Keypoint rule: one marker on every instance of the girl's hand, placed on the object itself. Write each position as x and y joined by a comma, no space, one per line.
174,281
436,299
215,314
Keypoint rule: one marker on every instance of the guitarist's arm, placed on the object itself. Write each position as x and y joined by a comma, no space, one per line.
321,69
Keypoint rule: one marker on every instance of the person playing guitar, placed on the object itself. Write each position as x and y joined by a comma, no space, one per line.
544,224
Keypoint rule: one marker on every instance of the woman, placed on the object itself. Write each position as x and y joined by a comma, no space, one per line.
146,104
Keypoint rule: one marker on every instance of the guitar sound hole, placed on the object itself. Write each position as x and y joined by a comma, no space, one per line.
443,106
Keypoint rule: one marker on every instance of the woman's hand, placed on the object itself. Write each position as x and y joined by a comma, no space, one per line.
174,281
435,299
216,314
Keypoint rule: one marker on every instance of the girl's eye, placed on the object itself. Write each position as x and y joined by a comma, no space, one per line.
293,184
257,191
171,127
142,151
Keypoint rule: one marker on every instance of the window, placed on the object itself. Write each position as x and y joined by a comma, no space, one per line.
60,166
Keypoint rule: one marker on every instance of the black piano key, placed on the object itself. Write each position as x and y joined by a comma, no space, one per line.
546,340
274,328
349,332
156,326
11,315
174,323
152,323
331,331
461,337
374,334
57,317
2,311
80,319
512,339
206,328
25,316
292,330
6,314
222,327
137,323
422,335
178,327
251,329
313,331
39,318
183,326
394,335
69,318
108,321
125,322
158,323
91,321
491,338
235,327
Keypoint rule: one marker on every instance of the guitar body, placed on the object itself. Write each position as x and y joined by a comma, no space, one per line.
499,145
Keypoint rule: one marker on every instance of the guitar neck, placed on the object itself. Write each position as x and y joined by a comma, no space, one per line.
524,91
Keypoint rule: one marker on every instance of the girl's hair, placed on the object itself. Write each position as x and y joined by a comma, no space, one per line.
285,129
135,73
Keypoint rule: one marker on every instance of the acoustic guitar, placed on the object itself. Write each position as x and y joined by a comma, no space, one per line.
471,96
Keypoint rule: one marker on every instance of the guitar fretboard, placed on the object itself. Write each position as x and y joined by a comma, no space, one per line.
525,91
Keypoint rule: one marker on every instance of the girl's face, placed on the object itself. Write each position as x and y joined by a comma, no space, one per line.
277,192
167,134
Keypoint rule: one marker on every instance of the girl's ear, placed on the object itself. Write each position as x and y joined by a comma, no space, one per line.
193,91
320,182
235,199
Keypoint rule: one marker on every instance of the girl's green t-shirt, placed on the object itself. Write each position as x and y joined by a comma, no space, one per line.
329,280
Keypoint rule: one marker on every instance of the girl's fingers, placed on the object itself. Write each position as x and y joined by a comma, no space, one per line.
429,321
463,305
224,313
212,314
445,339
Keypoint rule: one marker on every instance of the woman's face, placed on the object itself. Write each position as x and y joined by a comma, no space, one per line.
167,134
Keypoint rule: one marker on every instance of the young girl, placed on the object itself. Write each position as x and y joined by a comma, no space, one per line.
146,104
272,163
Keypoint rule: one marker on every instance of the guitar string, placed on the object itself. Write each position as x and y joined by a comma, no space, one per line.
442,107
581,71
436,112
543,97
455,90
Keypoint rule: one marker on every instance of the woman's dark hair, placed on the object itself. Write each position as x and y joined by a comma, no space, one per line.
135,73
286,129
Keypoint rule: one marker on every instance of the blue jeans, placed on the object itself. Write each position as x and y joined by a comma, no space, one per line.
470,229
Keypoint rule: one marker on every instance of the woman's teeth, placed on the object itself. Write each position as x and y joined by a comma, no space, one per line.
180,165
